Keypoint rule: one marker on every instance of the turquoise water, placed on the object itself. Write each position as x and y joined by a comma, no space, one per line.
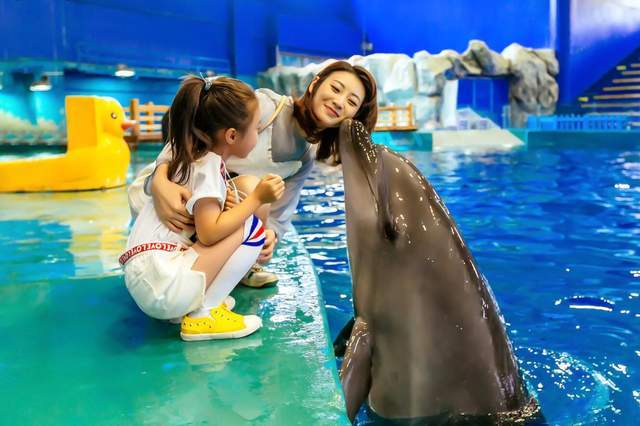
77,350
557,233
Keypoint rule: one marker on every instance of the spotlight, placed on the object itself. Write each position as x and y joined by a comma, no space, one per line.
42,85
123,71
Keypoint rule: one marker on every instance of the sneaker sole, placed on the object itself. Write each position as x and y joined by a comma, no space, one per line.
217,336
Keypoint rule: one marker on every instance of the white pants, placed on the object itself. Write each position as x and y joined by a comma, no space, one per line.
164,286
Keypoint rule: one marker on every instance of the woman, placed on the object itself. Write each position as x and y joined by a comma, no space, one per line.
286,146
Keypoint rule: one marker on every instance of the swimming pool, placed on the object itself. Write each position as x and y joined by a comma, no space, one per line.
556,231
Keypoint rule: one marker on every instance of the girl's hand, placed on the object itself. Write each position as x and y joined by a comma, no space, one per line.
230,201
269,245
169,200
269,189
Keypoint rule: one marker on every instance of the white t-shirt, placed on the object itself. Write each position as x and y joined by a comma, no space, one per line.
207,180
267,158
259,162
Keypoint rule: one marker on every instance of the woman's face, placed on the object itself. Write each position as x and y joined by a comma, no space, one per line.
338,97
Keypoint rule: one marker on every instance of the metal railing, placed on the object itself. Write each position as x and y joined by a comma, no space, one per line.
578,122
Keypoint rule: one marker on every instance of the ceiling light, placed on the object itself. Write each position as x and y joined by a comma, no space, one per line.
123,71
41,85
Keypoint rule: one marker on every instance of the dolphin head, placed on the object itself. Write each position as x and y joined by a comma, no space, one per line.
363,171
357,153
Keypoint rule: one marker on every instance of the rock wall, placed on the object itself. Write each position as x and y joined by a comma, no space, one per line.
428,81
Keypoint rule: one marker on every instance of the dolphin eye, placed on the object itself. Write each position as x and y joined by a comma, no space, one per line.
114,115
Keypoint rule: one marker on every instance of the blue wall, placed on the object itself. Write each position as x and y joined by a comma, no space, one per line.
165,37
322,27
594,36
240,37
22,103
227,36
14,97
411,25
161,33
486,96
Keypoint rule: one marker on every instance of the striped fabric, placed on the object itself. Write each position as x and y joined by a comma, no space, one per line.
256,237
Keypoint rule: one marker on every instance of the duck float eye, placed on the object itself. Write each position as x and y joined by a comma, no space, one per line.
114,115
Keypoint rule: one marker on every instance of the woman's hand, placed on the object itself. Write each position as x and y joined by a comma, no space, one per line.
269,189
269,245
169,200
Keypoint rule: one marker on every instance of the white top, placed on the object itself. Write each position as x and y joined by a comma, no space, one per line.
279,150
260,160
206,180
282,151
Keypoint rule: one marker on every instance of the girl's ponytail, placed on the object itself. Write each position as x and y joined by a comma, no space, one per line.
201,107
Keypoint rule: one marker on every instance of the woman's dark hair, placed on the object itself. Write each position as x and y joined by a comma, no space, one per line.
201,108
164,127
328,138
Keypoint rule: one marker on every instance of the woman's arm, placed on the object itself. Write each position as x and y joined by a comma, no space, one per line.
213,226
169,200
282,211
136,194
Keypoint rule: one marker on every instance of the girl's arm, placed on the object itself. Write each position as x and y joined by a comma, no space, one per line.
213,226
169,200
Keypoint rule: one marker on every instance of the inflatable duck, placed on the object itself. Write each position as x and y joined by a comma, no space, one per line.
97,156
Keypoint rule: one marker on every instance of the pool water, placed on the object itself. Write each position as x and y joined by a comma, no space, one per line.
556,231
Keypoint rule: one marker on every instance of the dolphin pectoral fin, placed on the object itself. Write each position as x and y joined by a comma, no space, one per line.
355,374
340,342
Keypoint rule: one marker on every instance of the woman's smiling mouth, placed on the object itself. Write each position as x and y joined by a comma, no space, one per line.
331,112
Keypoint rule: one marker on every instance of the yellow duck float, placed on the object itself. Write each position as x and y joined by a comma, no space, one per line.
97,156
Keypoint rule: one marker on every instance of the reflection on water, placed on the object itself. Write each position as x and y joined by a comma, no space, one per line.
82,231
88,230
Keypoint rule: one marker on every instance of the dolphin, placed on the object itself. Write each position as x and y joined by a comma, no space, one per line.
428,341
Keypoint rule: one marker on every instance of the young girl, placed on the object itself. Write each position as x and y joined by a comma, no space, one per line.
170,274
285,146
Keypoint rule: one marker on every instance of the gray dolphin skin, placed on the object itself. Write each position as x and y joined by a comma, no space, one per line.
428,340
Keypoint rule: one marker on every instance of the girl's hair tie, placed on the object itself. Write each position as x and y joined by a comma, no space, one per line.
208,82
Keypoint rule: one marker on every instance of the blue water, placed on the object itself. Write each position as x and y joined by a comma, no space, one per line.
557,233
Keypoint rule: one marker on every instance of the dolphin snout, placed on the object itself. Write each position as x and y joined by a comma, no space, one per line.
346,124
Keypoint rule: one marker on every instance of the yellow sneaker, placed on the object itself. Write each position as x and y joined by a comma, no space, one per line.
229,302
258,277
220,324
